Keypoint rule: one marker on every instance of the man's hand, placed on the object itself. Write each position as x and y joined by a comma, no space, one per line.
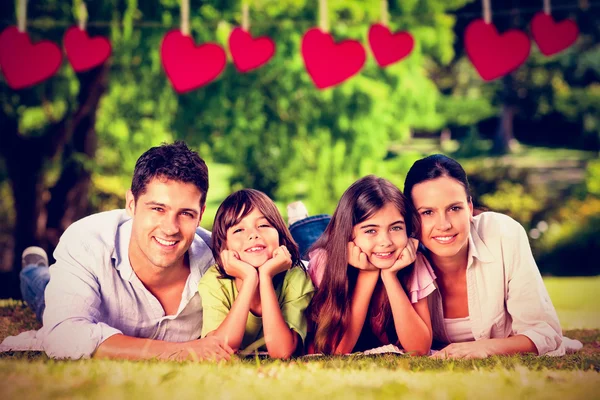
279,262
358,259
211,348
407,256
235,267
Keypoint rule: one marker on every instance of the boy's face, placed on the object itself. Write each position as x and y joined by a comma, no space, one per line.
165,219
254,239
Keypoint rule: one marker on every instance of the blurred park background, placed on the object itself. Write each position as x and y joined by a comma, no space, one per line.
529,141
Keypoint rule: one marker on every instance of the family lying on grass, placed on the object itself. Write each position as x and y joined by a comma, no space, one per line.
418,271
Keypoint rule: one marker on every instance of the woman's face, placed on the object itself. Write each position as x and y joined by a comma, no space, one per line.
445,214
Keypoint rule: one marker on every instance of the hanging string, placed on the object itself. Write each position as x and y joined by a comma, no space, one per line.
547,9
385,14
83,16
323,19
22,16
245,16
487,11
185,17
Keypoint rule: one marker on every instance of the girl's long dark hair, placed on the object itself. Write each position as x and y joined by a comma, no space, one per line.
330,307
235,208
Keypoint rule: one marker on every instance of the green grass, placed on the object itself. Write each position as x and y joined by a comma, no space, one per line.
576,376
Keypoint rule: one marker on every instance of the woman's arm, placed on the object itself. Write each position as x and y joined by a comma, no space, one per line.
518,344
412,322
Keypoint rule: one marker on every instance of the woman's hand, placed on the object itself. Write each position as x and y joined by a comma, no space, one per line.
235,267
279,262
466,350
358,259
407,256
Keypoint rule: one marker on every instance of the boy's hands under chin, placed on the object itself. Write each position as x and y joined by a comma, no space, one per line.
358,259
407,256
235,267
279,262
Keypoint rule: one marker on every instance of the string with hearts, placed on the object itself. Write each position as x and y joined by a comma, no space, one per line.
387,47
23,63
83,52
188,66
492,54
550,36
249,53
329,63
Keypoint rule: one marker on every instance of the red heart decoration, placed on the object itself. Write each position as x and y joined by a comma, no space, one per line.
188,66
495,55
329,63
84,53
25,64
249,53
388,47
552,37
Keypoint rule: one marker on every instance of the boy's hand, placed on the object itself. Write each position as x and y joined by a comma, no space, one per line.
279,262
236,267
358,259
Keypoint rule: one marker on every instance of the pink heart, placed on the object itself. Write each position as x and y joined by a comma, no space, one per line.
495,55
329,63
249,53
25,64
553,37
84,53
388,47
188,66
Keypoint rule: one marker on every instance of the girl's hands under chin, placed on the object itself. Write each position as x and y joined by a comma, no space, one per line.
407,256
235,267
279,262
358,259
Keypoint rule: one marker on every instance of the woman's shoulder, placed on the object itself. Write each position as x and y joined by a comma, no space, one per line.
493,223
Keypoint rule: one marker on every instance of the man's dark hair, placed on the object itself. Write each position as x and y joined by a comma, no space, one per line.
170,161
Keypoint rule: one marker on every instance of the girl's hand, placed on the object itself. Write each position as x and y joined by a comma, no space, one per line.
407,256
235,267
279,262
358,259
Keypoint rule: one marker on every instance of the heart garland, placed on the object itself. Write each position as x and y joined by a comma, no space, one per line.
188,66
329,63
249,53
494,55
83,52
389,48
553,37
26,64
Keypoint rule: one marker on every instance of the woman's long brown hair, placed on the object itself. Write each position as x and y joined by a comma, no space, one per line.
330,307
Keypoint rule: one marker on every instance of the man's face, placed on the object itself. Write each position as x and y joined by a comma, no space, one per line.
165,219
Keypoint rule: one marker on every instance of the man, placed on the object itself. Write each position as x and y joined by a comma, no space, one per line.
124,285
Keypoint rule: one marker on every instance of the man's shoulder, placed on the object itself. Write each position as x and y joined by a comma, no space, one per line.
94,230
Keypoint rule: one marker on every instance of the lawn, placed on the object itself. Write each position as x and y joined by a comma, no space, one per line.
32,375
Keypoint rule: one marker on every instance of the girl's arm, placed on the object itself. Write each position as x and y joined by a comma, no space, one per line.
412,322
281,341
233,327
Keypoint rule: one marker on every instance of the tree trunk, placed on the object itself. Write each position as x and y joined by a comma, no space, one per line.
504,140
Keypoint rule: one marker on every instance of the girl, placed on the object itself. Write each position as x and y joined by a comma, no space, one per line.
491,297
358,265
256,294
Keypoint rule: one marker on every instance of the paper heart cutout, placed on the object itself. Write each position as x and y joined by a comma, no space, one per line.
388,47
553,37
26,64
249,53
188,66
329,63
492,54
83,52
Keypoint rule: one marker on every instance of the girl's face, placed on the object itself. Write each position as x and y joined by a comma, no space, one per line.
254,239
382,237
445,214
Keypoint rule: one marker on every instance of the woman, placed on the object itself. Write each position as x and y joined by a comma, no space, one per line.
491,298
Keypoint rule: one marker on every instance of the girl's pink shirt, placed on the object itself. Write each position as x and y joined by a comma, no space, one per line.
420,282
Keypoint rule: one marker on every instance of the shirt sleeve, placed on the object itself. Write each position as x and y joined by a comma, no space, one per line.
216,301
297,292
528,302
421,281
71,321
